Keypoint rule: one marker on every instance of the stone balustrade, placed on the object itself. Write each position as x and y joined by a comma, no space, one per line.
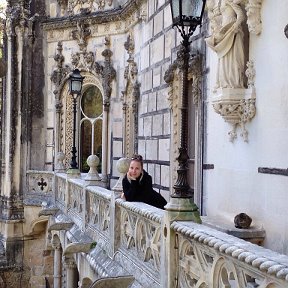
137,239
209,258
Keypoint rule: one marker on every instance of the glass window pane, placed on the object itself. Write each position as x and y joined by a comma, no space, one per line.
86,144
91,102
98,142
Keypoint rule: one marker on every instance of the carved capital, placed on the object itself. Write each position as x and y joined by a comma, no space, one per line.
69,263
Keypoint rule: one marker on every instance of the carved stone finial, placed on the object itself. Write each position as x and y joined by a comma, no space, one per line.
81,34
60,71
60,167
93,176
122,167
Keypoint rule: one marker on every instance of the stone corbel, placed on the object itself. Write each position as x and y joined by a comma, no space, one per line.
119,281
48,211
237,105
60,226
78,247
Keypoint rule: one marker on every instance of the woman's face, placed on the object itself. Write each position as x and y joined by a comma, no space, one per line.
135,169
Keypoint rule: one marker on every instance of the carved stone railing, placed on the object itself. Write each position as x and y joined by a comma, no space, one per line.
209,258
141,237
149,244
128,235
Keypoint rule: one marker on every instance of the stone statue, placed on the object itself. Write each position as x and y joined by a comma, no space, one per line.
227,41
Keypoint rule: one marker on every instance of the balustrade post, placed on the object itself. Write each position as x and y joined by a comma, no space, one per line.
122,167
170,256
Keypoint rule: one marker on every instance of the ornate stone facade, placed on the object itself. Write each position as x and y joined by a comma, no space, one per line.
61,231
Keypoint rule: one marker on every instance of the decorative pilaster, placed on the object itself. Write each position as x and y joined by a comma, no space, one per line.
130,100
173,77
108,74
59,73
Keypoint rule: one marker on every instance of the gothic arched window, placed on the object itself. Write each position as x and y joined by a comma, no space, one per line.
91,109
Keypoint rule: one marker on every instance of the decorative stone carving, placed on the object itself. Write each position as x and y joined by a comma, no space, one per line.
60,167
253,13
60,71
173,76
69,263
63,5
92,176
86,7
253,8
130,98
207,256
227,40
142,238
81,34
98,212
233,101
195,74
83,59
237,106
122,167
107,73
56,244
76,199
39,182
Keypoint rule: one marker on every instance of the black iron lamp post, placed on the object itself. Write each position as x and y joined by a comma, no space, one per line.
75,87
186,16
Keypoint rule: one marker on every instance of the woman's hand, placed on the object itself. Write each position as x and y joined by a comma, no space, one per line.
123,196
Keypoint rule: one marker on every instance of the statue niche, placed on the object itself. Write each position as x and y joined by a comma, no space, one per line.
234,93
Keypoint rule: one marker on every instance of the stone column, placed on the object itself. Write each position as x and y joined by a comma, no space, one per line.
7,120
57,262
104,144
71,273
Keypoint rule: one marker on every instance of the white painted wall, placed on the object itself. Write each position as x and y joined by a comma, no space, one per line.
234,185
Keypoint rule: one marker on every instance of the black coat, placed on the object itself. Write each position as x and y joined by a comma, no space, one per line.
140,190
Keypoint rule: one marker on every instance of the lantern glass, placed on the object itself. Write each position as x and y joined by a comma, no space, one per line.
187,12
75,82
